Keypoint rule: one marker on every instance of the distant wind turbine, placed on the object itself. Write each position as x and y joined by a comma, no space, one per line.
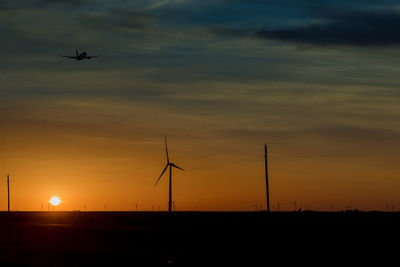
170,165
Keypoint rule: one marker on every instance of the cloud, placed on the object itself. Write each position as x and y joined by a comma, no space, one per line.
19,5
155,4
365,29
115,19
68,2
328,141
335,132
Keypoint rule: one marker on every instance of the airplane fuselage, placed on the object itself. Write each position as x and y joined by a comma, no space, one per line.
82,56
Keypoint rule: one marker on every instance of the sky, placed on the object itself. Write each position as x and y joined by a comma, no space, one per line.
316,80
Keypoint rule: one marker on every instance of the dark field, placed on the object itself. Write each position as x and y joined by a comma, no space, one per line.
196,238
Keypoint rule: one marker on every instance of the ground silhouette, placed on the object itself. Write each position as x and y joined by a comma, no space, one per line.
193,238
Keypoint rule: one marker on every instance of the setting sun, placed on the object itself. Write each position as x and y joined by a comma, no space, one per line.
55,201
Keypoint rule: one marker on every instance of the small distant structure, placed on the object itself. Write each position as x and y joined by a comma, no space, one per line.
279,206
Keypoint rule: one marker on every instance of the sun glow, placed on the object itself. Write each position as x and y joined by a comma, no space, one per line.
55,201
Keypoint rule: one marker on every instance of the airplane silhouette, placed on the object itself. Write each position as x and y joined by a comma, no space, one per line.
80,56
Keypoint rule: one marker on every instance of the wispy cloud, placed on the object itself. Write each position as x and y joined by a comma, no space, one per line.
118,20
27,4
354,29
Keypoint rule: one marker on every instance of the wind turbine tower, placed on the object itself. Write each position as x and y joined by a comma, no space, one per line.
169,165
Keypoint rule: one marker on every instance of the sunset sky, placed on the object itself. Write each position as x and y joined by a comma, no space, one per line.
317,80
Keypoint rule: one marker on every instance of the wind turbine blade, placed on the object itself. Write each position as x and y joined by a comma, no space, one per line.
166,149
161,174
178,167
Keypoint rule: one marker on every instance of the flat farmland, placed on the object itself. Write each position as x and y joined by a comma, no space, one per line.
191,238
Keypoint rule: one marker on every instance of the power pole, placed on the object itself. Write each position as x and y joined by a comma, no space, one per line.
8,191
266,178
170,190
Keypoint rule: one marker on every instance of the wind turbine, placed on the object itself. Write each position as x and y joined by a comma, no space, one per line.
170,165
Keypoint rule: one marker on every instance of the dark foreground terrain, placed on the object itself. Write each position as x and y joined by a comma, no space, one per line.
197,239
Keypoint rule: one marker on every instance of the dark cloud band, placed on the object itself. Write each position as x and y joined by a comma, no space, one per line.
356,29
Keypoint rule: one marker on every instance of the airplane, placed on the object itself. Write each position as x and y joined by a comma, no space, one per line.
80,56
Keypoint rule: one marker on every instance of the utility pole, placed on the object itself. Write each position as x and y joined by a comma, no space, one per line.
8,191
170,191
266,178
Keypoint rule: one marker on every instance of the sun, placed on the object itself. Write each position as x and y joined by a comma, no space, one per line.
55,201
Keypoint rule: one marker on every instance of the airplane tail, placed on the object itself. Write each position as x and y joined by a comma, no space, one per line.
76,50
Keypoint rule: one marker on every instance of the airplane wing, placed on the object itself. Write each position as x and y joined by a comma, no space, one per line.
67,56
89,57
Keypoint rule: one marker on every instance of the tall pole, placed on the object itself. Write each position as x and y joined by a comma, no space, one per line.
8,191
170,190
266,178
